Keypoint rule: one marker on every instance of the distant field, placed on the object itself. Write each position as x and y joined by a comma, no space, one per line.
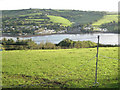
68,68
35,19
106,19
54,19
58,19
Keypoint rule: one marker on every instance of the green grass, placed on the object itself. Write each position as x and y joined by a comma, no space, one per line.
31,67
54,19
58,19
106,19
35,19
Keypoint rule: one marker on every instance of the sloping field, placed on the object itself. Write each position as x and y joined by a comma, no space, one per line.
35,19
58,19
70,68
106,19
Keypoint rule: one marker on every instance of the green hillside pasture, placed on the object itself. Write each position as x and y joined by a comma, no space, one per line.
69,68
87,18
58,19
106,19
35,19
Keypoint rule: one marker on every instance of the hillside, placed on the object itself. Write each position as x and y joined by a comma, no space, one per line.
106,19
49,21
61,20
77,16
110,22
68,68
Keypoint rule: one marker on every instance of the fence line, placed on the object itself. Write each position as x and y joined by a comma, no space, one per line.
108,57
80,66
53,80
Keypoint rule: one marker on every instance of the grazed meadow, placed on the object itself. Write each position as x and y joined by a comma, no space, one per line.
70,68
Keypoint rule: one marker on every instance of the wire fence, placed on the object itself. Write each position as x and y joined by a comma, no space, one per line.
79,67
55,79
108,57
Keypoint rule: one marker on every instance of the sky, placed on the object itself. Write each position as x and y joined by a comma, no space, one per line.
86,5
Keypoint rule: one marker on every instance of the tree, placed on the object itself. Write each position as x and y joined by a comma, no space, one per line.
4,40
31,44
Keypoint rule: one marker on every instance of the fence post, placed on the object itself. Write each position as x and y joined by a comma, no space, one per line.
97,61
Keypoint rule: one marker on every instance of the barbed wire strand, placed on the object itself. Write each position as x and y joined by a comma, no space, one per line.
79,67
108,57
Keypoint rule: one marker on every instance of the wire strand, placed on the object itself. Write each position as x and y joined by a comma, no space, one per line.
108,57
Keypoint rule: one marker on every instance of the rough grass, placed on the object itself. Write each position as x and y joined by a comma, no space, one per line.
106,19
58,19
59,68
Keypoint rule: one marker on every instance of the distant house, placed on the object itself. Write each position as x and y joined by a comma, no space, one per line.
100,29
45,31
19,34
105,29
87,28
62,31
24,33
8,33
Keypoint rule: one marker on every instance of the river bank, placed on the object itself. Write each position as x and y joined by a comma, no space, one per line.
29,35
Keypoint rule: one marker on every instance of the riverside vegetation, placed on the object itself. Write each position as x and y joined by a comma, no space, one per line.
10,44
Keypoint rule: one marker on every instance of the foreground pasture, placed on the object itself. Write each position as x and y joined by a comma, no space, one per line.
63,68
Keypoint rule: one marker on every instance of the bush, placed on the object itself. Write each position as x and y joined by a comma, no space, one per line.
67,43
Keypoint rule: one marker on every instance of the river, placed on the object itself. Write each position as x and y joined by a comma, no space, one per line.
105,38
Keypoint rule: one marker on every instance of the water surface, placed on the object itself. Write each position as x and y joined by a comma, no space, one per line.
105,38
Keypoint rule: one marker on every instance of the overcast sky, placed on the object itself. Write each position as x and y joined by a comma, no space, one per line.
92,5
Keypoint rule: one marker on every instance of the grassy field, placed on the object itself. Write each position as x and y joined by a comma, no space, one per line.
68,68
106,19
54,19
58,19
35,19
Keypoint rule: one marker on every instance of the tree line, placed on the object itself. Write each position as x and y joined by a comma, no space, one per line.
10,44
